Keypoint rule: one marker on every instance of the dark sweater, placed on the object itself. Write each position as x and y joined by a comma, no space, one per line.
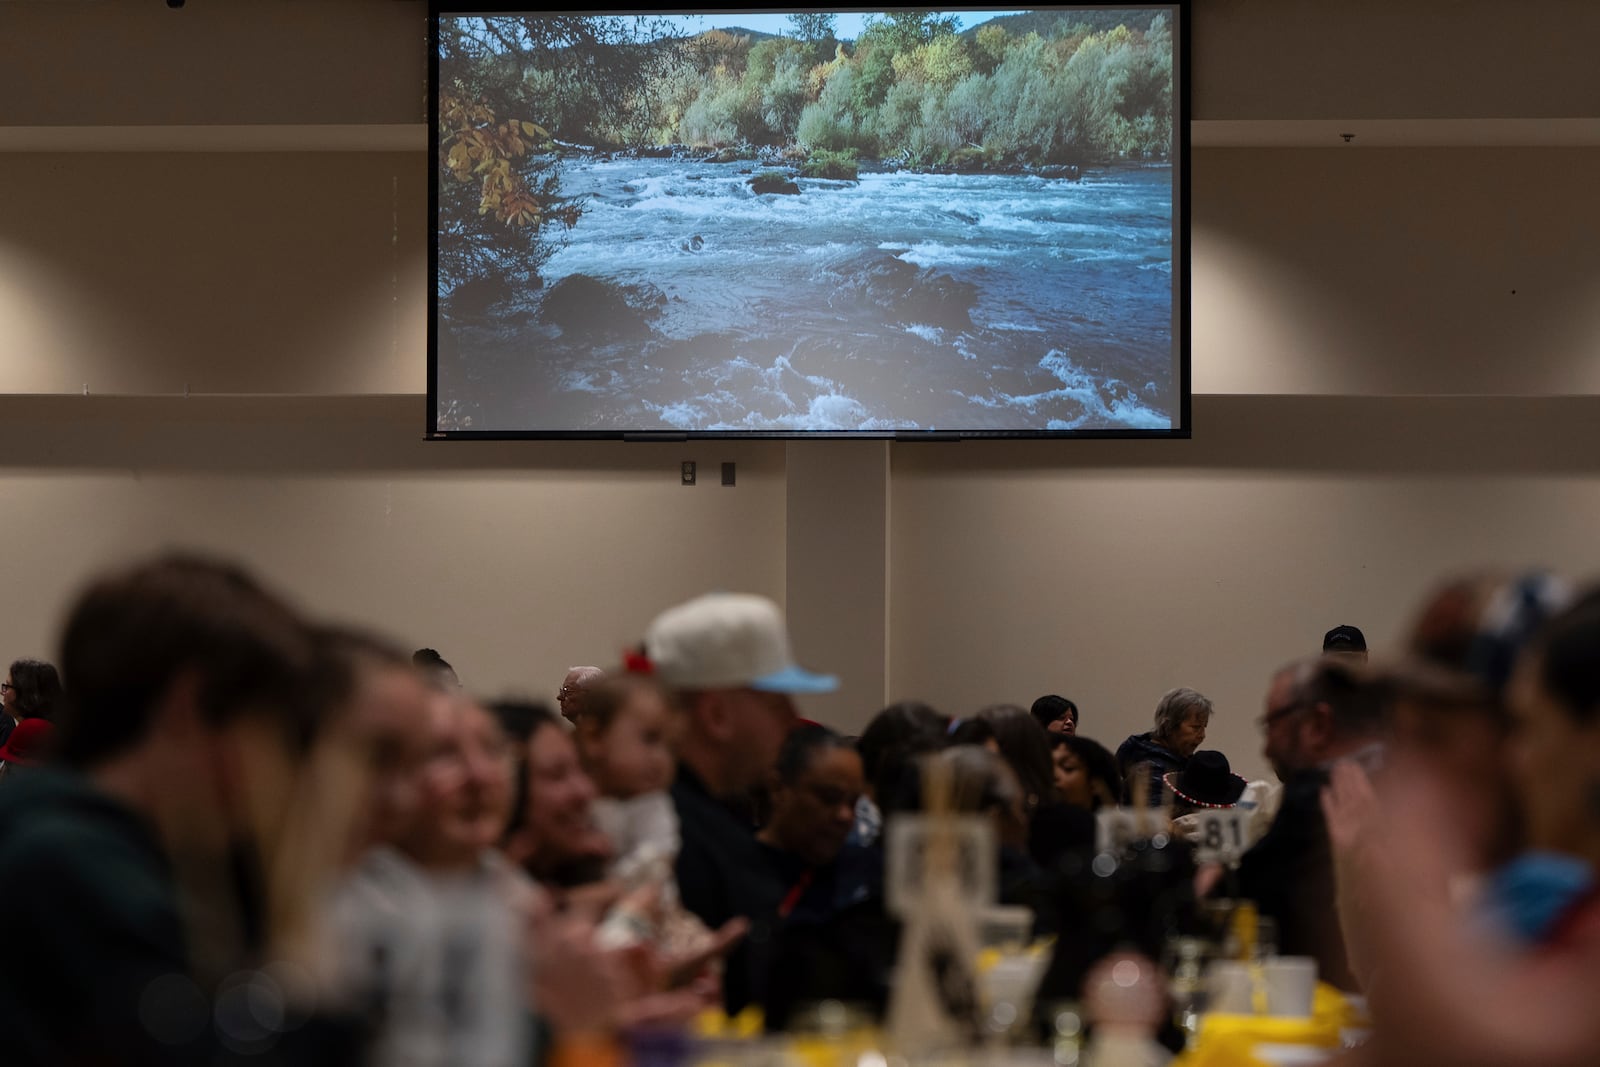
1289,876
1158,761
723,872
94,967
91,922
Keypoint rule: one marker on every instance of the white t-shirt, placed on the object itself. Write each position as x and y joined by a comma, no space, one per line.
644,834
436,961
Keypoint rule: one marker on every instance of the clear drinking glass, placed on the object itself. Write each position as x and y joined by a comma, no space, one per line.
1185,964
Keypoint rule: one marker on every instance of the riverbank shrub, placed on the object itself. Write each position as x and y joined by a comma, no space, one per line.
840,166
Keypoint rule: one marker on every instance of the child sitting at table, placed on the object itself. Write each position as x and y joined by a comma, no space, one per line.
625,737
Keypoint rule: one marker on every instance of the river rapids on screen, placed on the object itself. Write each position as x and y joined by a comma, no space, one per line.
683,300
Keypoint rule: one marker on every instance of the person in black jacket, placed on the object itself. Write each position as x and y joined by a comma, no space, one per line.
1316,715
1181,719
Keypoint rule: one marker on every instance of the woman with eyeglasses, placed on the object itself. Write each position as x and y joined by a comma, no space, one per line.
31,690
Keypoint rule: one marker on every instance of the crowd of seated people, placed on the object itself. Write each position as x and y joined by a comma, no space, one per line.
231,833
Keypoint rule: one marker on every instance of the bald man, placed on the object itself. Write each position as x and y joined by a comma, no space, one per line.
574,686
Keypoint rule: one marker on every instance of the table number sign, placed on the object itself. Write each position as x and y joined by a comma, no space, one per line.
1222,835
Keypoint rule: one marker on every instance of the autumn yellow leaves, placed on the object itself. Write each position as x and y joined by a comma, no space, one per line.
478,148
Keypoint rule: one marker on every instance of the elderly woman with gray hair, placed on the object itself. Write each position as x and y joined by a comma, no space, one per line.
1180,728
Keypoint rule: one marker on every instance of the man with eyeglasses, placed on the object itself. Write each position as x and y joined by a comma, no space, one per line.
1317,713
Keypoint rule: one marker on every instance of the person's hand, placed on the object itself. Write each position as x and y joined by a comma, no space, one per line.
591,901
695,962
1350,806
1403,832
582,987
1206,878
577,986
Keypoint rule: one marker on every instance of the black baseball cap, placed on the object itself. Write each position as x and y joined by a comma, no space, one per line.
1344,639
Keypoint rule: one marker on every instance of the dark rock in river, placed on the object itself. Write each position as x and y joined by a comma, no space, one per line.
908,293
774,183
474,296
590,306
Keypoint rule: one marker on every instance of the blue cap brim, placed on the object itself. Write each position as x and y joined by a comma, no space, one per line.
795,680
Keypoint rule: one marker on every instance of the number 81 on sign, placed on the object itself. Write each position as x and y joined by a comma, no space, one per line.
1221,835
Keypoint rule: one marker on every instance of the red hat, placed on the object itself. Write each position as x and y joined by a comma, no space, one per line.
27,742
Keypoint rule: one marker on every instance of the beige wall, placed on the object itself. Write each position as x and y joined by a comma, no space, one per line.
1397,271
1374,405
515,564
1112,571
839,544
250,272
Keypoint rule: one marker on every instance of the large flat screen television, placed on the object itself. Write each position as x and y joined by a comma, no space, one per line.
725,221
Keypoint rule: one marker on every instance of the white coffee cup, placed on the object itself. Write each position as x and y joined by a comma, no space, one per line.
1231,987
1291,984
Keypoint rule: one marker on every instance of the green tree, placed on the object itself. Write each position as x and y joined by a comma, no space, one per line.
895,124
989,48
717,48
874,76
970,109
726,111
829,123
902,31
1036,116
813,27
940,63
785,95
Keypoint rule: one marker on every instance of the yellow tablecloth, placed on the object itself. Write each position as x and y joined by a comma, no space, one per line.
1231,1040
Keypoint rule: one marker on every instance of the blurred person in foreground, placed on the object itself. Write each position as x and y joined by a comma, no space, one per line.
434,923
435,668
1054,828
1450,719
726,660
147,866
1448,991
649,961
553,833
896,735
451,953
1086,774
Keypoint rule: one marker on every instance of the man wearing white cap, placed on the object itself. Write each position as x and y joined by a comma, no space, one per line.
726,656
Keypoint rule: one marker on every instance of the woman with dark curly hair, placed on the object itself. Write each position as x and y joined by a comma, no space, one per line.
32,690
